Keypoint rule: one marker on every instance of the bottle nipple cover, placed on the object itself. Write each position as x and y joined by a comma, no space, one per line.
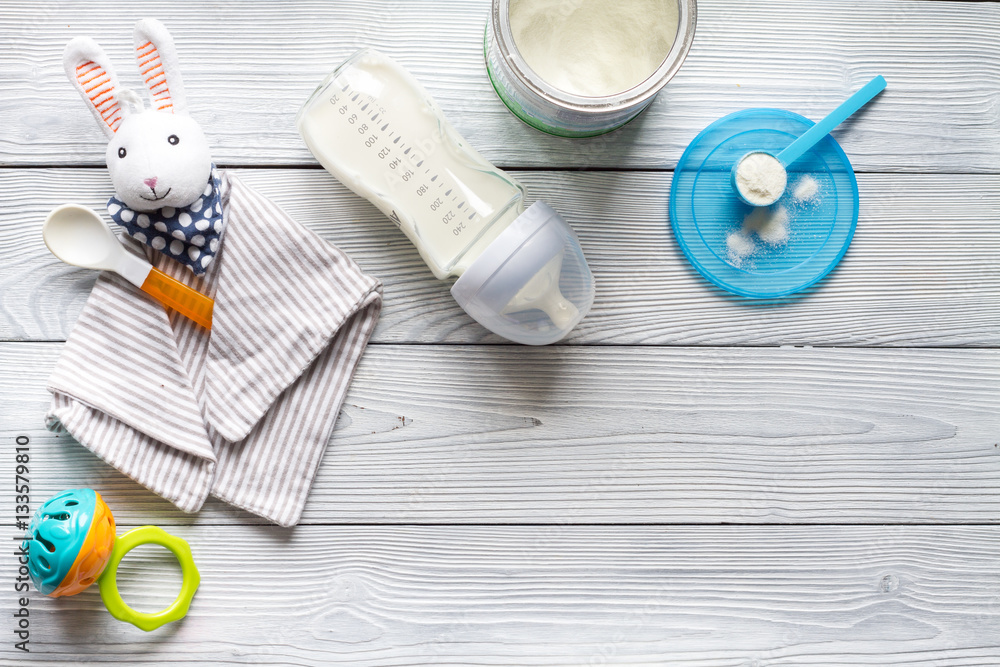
542,293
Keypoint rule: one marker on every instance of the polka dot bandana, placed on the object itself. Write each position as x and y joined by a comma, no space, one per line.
190,235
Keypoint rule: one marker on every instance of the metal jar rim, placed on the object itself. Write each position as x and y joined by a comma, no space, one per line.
687,20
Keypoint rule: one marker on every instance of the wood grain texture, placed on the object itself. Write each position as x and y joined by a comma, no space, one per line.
613,435
248,66
923,269
710,596
496,505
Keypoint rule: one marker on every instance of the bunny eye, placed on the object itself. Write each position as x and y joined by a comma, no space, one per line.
173,140
121,152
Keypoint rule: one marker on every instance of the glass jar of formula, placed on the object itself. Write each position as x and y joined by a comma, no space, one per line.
579,68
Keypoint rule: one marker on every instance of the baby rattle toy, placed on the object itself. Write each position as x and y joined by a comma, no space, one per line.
71,544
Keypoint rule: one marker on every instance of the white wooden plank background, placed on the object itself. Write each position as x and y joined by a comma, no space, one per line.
712,595
942,60
493,504
623,435
911,278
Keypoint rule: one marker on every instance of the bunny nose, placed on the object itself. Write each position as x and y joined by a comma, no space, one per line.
151,182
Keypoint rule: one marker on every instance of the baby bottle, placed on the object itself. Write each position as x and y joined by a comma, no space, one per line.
521,273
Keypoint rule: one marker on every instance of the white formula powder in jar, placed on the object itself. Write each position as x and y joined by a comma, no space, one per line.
594,48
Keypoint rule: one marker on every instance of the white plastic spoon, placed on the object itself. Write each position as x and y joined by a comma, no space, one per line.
77,236
759,178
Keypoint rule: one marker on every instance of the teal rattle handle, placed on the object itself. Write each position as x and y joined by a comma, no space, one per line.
813,135
109,581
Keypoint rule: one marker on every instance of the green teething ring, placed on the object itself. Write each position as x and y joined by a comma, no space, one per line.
109,583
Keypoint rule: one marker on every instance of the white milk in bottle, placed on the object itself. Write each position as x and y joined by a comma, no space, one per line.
521,273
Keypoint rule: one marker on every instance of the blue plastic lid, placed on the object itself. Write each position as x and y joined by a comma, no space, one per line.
705,211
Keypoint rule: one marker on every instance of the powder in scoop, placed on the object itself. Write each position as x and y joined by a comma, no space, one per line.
594,48
761,178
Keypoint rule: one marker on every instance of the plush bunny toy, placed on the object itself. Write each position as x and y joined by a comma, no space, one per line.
167,189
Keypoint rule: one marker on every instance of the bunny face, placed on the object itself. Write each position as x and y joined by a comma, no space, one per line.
158,159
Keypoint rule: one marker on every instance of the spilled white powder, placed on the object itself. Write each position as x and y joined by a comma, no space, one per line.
594,48
761,178
740,246
770,225
805,190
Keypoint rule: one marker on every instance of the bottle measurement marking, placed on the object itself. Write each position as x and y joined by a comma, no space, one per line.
383,148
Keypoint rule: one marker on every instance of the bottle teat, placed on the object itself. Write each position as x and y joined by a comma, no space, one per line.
531,285
542,293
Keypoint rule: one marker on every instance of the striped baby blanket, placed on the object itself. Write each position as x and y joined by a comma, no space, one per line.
243,412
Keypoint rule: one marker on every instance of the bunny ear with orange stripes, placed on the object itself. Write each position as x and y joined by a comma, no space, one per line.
90,72
159,67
